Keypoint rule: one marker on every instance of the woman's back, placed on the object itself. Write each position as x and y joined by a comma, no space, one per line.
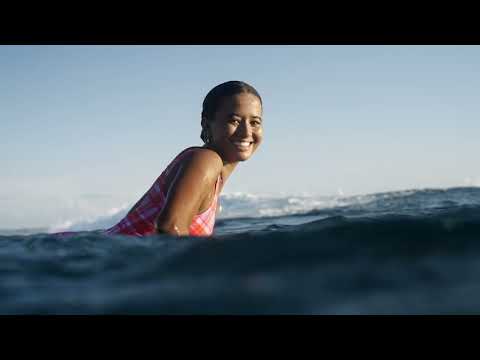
140,220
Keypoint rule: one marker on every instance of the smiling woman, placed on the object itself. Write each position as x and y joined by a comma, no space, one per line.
183,200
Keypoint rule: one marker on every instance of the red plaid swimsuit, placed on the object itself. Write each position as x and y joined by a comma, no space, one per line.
140,220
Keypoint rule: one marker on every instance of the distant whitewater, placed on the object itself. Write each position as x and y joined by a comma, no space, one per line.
406,252
244,205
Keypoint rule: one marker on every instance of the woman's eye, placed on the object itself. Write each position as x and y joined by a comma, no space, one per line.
255,123
234,121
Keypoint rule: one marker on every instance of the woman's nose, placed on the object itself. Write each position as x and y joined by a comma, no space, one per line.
244,129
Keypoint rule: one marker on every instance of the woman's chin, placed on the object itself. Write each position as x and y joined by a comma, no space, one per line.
244,155
236,155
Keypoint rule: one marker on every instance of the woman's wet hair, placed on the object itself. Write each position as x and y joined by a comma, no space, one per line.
217,94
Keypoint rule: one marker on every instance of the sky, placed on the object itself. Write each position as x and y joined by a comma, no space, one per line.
85,130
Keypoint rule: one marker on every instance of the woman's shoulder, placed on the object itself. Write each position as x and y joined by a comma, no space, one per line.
203,153
204,158
199,159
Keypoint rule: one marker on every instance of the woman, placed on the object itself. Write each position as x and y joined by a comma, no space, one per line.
183,200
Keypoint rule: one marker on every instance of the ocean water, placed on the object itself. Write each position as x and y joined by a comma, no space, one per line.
406,252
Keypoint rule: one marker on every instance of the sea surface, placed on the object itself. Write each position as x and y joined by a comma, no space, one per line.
406,252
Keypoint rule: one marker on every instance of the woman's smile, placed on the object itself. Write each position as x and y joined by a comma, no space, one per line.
242,145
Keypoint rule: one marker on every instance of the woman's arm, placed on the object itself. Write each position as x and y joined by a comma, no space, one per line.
191,186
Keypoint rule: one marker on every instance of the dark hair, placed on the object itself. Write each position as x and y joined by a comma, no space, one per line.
215,96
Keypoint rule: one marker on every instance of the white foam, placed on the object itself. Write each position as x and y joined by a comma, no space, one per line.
468,181
250,205
111,217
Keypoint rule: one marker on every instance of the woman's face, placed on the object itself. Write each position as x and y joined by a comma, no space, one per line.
237,130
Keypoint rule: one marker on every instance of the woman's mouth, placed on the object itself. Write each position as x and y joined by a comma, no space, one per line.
242,145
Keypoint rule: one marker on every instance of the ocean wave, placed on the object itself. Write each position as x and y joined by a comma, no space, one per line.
111,217
245,205
348,265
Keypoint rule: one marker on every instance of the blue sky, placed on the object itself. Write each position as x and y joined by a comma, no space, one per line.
85,129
